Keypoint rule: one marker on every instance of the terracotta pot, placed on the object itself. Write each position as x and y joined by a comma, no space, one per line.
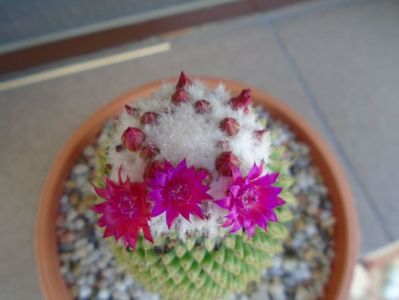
346,229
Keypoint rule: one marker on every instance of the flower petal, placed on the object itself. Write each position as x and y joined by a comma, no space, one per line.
125,210
179,191
236,226
254,172
234,189
171,215
147,233
224,202
158,209
196,210
268,179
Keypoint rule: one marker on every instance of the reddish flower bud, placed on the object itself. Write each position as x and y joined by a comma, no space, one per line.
230,126
259,134
132,111
242,101
132,138
223,145
202,106
152,168
148,152
208,179
183,81
149,117
225,162
179,96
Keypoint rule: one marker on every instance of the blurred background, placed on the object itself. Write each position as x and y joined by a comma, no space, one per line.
336,62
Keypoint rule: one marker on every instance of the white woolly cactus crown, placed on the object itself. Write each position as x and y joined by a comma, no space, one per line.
199,125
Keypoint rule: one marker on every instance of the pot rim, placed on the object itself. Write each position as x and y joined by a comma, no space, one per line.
346,233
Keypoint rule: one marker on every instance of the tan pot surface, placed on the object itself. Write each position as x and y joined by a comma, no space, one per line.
346,229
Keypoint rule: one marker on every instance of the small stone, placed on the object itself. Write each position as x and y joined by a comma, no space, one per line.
289,265
86,203
89,151
309,254
71,215
298,241
120,295
80,170
261,293
67,238
79,224
276,290
310,230
74,291
302,294
85,292
74,199
104,294
300,225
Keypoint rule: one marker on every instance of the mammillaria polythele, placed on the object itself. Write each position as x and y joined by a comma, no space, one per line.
194,190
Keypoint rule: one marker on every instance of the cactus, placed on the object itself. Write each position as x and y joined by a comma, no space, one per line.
194,190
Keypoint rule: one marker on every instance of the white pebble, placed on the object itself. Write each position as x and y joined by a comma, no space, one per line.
104,294
85,292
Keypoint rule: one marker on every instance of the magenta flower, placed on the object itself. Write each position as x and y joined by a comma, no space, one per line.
251,200
178,190
125,210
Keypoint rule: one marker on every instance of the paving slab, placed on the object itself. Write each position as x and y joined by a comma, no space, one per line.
348,57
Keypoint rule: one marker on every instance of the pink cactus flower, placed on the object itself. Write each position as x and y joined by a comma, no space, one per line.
178,191
125,210
251,200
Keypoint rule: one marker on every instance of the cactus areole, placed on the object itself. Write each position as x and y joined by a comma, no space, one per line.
190,219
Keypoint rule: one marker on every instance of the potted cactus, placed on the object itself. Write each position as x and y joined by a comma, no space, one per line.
195,192
192,187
